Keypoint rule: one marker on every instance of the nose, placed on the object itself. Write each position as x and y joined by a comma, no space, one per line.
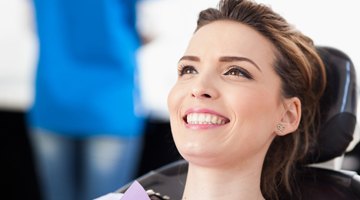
200,94
204,89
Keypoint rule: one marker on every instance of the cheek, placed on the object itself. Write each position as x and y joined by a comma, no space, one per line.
174,99
253,130
256,111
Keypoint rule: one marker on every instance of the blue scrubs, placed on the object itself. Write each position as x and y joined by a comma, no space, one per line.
85,130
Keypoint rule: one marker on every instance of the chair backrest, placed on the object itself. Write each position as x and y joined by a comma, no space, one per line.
338,109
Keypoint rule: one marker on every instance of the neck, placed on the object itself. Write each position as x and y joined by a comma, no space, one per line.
223,183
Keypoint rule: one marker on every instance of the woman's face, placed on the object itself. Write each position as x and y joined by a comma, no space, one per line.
226,103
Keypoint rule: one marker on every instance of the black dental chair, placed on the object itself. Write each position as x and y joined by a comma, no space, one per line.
338,107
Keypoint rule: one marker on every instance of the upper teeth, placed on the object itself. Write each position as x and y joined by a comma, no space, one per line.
204,118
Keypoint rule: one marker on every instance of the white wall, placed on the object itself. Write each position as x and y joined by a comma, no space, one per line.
329,23
17,54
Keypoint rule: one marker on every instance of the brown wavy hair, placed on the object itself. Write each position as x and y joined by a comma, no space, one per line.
302,74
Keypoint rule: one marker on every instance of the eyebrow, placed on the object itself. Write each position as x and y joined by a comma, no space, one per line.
223,59
190,58
237,58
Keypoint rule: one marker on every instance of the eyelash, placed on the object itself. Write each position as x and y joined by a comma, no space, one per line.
185,69
238,71
232,71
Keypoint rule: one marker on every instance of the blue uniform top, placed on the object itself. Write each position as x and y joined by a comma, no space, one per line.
85,74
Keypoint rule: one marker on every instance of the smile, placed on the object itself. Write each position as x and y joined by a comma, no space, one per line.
205,118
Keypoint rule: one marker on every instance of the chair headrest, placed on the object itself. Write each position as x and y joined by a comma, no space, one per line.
338,107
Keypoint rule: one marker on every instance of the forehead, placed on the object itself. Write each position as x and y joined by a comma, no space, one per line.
225,37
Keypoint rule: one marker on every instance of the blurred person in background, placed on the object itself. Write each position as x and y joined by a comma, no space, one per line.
85,130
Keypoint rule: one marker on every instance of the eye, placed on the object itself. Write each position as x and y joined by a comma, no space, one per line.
238,71
186,69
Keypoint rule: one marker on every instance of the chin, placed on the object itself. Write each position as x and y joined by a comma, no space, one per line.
200,156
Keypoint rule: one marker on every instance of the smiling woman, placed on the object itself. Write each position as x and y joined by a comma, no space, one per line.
246,97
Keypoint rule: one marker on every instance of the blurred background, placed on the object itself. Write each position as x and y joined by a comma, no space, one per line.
165,27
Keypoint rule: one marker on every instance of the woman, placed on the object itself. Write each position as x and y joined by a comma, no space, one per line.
245,106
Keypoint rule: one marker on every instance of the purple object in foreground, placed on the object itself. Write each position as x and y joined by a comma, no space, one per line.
135,192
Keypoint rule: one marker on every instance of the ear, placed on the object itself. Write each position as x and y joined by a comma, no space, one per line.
291,117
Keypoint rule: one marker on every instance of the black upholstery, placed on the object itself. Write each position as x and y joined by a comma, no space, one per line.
338,109
338,106
326,184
